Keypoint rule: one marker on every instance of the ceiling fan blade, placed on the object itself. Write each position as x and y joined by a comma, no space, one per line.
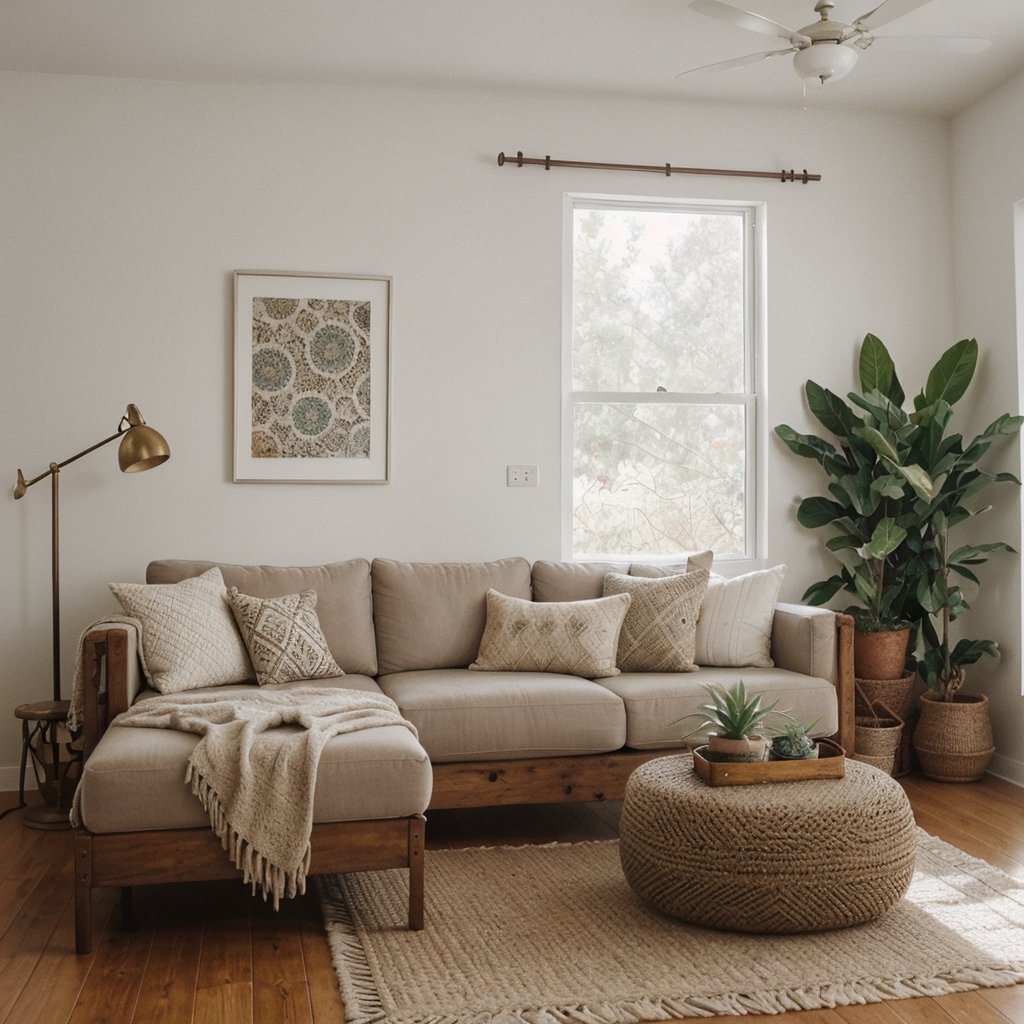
736,62
931,44
747,20
886,11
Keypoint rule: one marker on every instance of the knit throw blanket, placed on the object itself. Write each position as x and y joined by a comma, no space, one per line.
255,778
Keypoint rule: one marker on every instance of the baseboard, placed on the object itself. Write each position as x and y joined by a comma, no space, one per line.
1007,768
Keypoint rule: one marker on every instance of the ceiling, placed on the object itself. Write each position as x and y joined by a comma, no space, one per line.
626,47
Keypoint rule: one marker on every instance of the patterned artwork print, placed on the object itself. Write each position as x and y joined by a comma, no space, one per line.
310,378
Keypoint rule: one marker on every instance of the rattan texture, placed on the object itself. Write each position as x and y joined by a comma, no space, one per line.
782,858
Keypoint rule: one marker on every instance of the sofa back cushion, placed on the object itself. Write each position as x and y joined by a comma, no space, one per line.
431,615
584,581
572,581
343,599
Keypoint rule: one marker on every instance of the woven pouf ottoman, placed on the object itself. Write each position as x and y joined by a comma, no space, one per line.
786,857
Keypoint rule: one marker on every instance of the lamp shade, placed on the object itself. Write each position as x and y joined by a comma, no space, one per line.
825,60
141,447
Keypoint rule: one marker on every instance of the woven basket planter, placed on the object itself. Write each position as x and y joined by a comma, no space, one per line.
878,734
896,694
881,655
953,739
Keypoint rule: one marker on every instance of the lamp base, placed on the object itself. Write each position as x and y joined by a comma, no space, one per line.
45,816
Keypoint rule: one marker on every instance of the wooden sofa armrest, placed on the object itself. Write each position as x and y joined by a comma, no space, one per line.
845,685
109,675
819,642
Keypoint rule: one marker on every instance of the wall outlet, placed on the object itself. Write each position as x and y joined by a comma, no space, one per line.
521,476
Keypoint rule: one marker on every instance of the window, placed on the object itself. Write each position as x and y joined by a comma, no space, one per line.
661,403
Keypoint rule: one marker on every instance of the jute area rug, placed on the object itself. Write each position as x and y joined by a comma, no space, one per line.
553,934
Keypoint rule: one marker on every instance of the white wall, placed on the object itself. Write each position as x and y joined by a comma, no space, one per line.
988,182
126,205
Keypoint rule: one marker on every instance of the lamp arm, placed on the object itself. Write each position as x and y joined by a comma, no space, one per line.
23,485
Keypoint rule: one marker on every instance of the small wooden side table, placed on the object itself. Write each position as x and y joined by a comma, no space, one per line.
57,779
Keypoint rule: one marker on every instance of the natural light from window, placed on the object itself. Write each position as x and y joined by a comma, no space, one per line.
660,394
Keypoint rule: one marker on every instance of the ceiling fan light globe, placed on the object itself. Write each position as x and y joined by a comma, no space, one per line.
825,61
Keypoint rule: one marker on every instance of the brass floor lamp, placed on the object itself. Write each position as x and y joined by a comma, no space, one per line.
141,448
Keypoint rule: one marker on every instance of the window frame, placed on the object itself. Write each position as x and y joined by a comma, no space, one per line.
754,216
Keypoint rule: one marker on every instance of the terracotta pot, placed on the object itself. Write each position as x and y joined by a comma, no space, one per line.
750,748
953,739
880,655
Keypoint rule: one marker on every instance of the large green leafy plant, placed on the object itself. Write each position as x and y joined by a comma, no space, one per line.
899,483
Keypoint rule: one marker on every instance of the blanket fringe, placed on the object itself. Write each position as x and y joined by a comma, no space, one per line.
273,881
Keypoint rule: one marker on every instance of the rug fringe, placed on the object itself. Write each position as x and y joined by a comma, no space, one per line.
273,881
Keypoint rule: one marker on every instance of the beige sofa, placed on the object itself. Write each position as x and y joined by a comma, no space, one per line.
410,630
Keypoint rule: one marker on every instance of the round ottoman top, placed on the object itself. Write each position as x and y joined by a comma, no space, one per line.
781,857
864,790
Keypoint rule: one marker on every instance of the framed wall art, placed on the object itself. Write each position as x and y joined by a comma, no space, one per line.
312,361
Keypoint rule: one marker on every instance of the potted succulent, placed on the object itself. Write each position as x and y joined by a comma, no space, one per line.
931,474
737,723
795,742
867,508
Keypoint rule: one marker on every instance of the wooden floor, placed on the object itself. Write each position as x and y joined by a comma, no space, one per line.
211,953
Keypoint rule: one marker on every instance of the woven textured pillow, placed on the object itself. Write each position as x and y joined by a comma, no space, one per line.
283,637
578,638
659,633
735,626
189,638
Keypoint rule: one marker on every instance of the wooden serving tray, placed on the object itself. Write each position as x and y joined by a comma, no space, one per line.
829,764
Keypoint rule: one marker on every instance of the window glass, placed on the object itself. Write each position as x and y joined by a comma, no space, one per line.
661,410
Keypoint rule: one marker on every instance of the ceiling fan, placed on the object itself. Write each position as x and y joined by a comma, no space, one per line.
828,50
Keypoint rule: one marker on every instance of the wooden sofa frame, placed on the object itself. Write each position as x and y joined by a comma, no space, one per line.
195,854
178,855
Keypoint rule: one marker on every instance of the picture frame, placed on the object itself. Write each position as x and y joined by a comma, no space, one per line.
312,356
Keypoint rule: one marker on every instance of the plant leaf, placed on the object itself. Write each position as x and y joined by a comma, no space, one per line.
825,590
831,411
886,538
814,512
952,374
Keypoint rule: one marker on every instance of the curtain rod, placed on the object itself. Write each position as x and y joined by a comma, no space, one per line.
667,169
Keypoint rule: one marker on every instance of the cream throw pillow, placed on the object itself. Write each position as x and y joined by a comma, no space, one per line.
283,637
578,638
735,625
659,633
189,637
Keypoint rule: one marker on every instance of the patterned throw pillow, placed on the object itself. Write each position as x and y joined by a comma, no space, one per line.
659,633
189,638
578,638
283,637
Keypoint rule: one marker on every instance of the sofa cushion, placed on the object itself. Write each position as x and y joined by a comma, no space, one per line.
342,599
572,581
463,716
135,778
283,637
584,581
659,633
578,638
654,700
735,626
431,615
191,640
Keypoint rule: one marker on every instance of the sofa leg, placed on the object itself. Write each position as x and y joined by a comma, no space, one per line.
83,893
416,833
127,909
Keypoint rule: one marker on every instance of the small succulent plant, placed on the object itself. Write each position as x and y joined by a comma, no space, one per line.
795,742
